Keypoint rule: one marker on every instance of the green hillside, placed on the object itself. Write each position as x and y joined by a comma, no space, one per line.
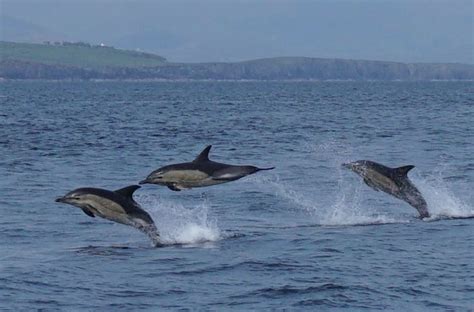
77,54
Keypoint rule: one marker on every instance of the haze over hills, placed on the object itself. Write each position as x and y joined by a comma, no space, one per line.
14,29
85,61
230,31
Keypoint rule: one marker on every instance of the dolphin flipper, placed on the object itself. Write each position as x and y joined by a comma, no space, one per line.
88,212
173,188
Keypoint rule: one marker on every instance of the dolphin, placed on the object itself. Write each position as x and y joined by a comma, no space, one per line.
198,173
118,206
393,181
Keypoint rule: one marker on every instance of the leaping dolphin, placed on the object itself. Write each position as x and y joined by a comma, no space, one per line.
118,206
393,181
198,173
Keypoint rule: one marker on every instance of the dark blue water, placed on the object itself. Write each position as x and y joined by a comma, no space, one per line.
305,236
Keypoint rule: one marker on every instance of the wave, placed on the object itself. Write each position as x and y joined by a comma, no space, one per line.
101,250
180,225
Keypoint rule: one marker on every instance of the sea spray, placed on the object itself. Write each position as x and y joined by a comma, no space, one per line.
342,202
346,207
180,225
441,199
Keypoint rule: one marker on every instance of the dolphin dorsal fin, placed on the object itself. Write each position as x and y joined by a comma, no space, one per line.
403,171
128,191
204,156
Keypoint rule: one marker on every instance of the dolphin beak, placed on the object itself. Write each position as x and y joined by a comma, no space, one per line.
144,181
60,200
350,166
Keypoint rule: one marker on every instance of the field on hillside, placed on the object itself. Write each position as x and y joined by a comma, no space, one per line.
80,55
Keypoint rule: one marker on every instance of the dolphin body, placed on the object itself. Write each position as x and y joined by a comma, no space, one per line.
393,181
198,173
118,206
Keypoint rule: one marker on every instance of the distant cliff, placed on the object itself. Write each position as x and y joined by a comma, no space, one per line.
83,61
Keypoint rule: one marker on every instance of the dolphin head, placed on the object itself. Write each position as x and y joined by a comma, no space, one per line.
359,166
75,198
156,177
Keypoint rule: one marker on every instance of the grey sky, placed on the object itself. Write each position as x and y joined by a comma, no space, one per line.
212,30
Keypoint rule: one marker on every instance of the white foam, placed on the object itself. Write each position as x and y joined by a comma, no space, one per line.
194,233
180,225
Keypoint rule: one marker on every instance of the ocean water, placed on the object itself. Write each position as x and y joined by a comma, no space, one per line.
308,235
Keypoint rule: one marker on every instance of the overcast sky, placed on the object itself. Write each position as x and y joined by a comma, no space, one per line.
231,30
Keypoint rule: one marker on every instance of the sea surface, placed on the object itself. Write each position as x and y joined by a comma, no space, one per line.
308,235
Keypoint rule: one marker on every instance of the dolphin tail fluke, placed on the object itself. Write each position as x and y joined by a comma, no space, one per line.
419,203
155,239
152,232
423,210
262,169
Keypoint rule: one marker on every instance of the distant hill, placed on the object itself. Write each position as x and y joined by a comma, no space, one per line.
84,61
79,55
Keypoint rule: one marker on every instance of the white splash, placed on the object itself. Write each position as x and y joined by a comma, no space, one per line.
345,208
178,224
441,200
348,210
194,233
